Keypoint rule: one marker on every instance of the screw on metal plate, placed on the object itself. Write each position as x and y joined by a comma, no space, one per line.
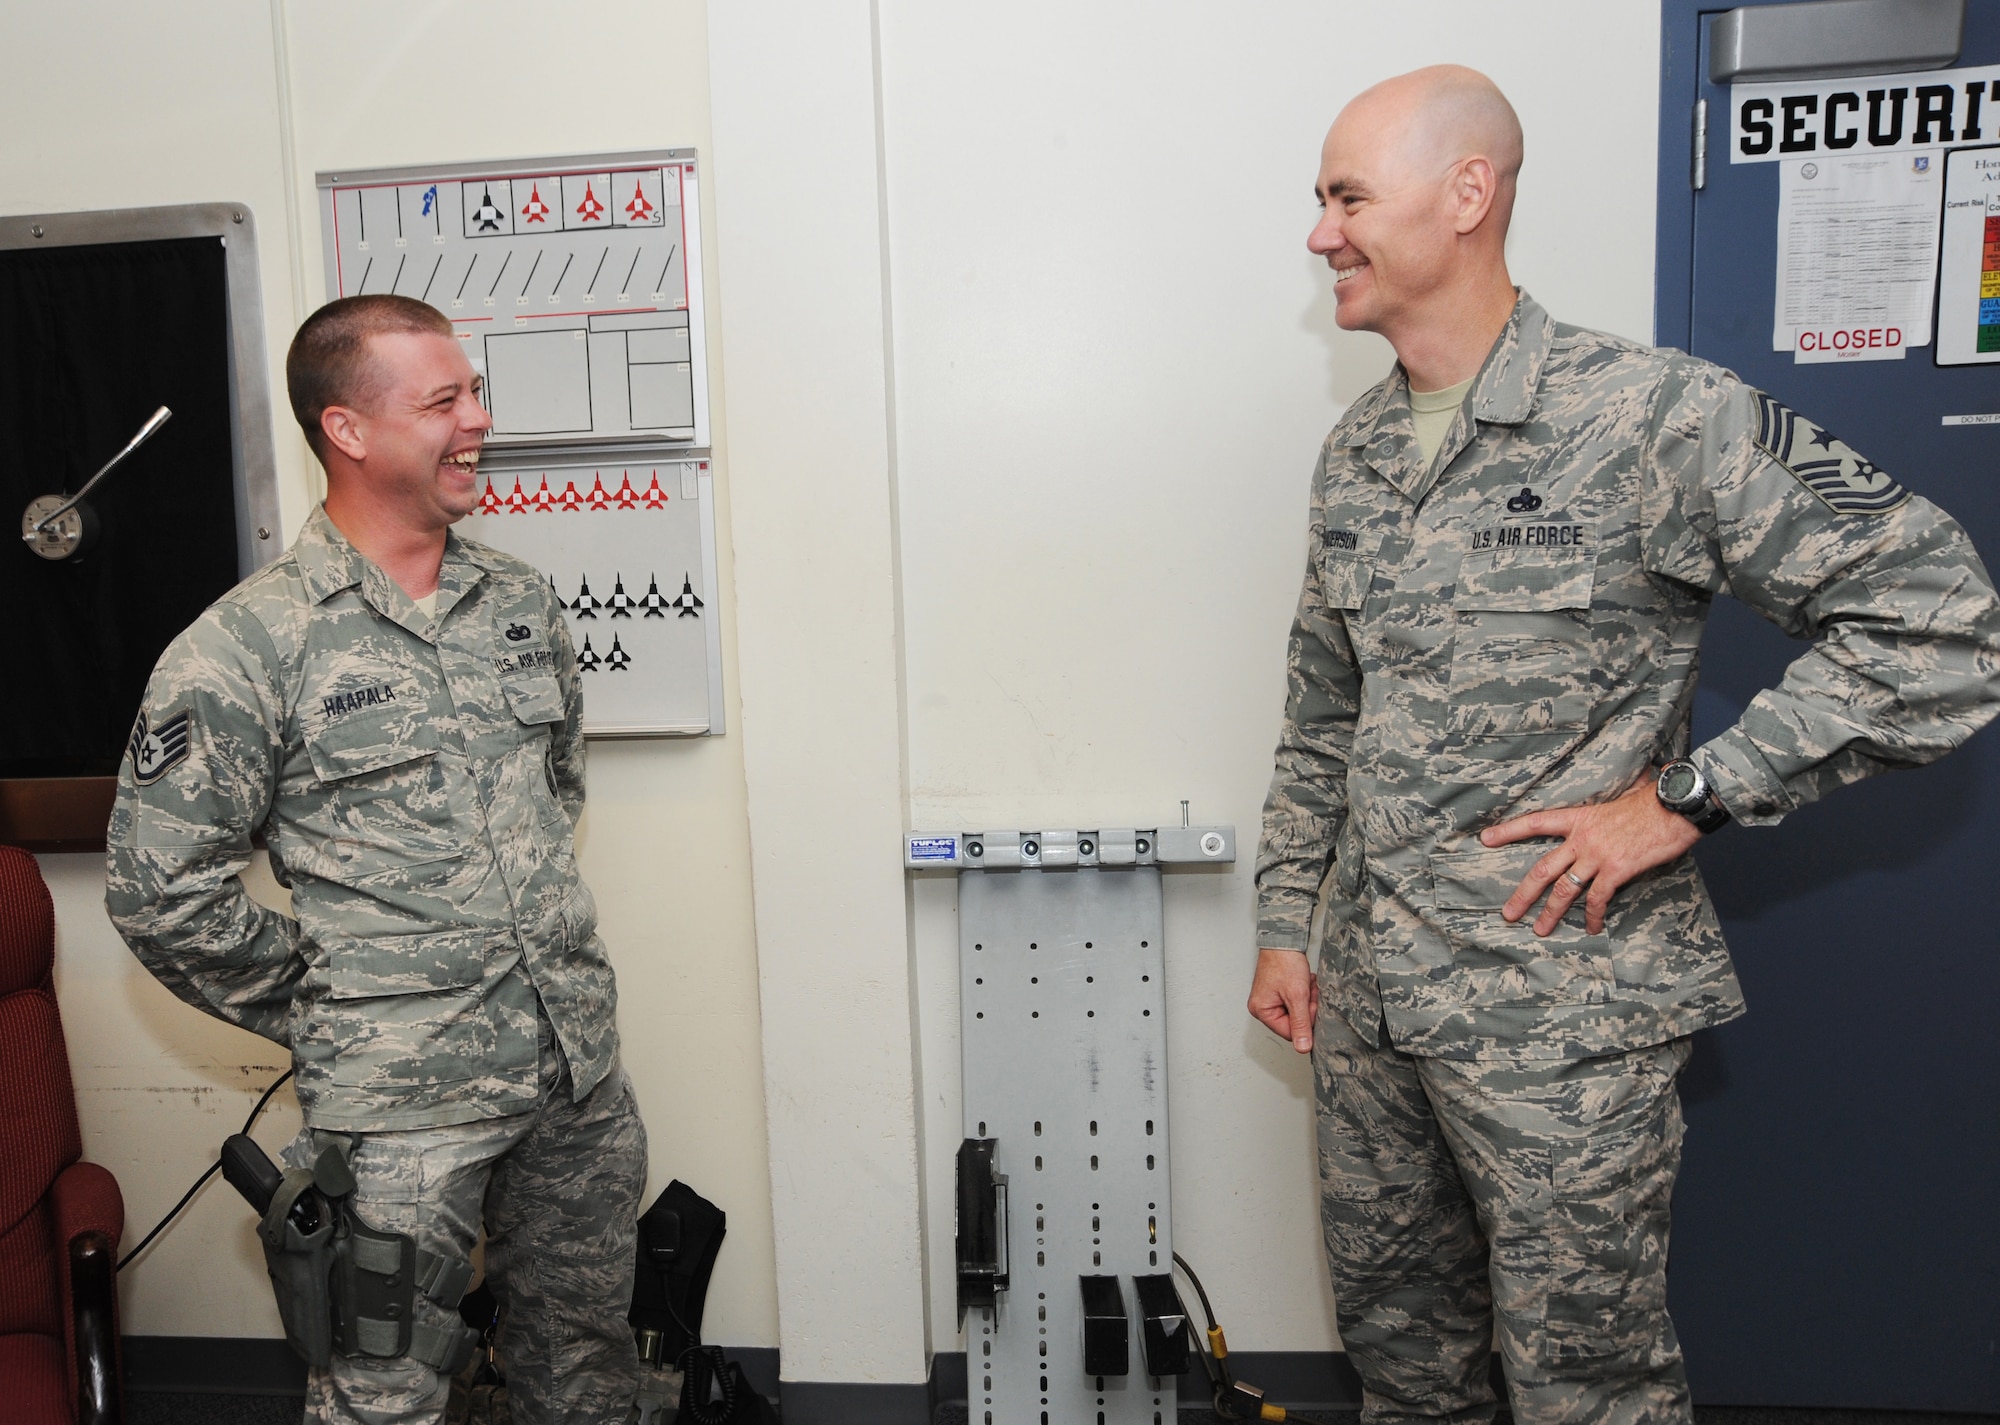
37,230
263,533
236,217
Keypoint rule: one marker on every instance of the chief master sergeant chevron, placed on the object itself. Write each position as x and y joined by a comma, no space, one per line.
1514,541
396,710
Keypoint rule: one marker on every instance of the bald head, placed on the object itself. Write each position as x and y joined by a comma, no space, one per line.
1416,189
1423,122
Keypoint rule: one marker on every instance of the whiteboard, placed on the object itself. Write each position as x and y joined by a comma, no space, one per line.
573,283
629,548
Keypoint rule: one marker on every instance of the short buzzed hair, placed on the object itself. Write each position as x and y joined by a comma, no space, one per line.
328,364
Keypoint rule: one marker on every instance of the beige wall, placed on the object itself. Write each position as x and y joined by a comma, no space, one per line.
1021,367
125,104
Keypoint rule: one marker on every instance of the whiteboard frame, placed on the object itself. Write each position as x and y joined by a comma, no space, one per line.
329,183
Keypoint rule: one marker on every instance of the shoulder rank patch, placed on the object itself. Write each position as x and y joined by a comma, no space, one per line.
156,750
1826,465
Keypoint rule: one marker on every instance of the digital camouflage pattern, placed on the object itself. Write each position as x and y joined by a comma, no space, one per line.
558,1191
1524,1204
415,779
1514,627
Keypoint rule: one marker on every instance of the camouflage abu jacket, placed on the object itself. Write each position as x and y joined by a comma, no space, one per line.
1514,627
416,784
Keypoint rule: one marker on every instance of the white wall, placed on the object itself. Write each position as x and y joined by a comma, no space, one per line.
1115,361
1021,370
119,103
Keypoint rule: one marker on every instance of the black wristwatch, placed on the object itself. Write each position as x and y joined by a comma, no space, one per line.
1683,789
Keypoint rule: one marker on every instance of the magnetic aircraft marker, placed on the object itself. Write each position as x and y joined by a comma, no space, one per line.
661,285
620,603
654,602
434,277
467,278
487,215
533,267
618,660
535,210
430,202
639,210
687,601
632,269
559,277
592,288
586,657
590,210
501,273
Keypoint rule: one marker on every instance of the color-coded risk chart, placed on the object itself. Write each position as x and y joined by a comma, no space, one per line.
1989,284
1968,298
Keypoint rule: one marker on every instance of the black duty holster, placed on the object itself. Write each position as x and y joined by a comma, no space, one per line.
344,1287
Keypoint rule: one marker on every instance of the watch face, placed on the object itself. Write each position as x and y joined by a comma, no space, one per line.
1678,782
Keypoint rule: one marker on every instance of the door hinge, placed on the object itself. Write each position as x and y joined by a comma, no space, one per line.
1699,178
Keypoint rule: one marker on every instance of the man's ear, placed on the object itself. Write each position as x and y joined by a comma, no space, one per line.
341,425
1474,188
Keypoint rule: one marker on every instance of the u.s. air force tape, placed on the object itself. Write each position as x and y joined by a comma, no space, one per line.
155,750
1826,465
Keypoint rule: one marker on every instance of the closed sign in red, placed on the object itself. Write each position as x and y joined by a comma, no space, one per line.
1850,339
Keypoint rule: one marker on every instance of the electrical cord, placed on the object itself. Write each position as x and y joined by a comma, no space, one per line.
1234,1399
704,1371
213,1168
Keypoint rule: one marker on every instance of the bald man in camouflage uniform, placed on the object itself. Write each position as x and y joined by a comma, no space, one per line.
396,712
1514,539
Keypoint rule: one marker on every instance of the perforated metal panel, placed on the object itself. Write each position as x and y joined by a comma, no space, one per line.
1065,1068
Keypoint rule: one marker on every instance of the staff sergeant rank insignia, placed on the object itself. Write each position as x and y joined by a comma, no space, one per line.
1829,467
156,750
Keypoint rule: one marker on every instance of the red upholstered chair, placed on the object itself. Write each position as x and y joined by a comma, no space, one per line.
60,1219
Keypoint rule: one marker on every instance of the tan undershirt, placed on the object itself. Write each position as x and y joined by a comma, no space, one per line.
429,602
1431,413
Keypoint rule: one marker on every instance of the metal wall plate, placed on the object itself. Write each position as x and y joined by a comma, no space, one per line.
1065,1069
252,451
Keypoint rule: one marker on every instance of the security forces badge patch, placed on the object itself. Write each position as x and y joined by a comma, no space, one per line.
1826,465
157,750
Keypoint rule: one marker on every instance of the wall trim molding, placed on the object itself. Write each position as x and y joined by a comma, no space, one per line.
1297,1380
265,1365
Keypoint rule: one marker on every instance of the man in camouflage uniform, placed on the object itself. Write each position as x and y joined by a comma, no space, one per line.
396,712
1514,541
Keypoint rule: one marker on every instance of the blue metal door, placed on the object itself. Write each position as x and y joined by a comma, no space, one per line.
1837,1225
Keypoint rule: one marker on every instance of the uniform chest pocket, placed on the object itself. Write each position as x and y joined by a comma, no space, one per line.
1346,567
1521,654
362,743
535,698
383,789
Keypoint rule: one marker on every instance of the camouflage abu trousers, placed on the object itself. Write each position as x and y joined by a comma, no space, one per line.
1460,1197
558,1191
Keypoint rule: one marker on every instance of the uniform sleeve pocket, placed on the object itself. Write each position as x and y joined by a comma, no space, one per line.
535,699
359,743
408,965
